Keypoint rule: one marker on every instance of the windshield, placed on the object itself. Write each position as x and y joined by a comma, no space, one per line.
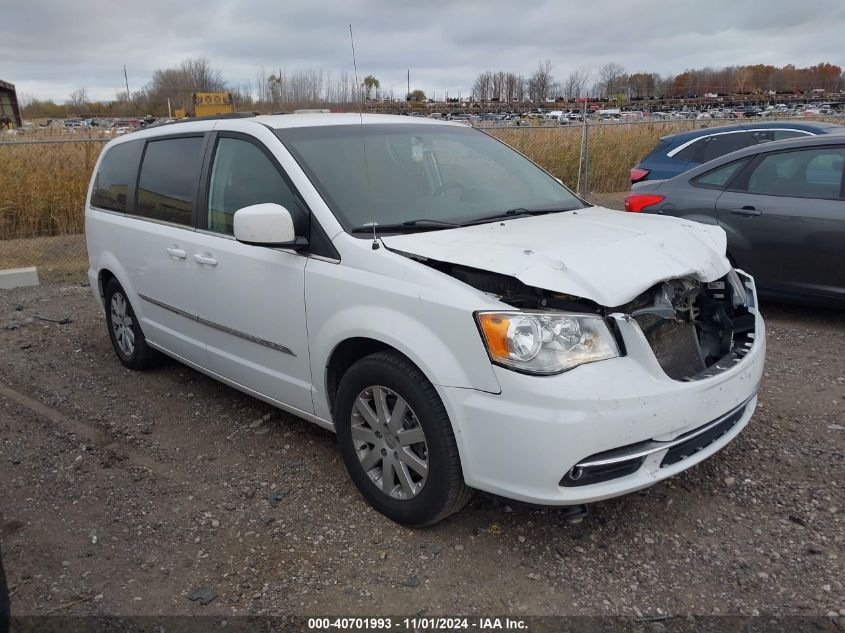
425,176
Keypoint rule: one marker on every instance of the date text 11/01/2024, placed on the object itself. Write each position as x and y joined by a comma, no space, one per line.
417,624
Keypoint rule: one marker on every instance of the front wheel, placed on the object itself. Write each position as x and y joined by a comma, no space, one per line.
397,442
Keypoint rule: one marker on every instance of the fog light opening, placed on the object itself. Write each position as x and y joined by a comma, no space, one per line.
575,473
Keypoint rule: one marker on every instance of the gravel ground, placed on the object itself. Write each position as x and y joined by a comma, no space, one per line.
124,492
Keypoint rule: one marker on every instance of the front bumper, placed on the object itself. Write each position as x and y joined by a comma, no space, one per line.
523,442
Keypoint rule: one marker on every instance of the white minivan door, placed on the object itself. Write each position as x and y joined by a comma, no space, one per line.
155,241
251,299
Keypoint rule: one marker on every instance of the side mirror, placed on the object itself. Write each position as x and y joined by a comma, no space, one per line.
266,224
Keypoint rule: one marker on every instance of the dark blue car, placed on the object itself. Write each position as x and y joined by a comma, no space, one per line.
677,153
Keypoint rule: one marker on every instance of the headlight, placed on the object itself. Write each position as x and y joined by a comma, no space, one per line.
545,342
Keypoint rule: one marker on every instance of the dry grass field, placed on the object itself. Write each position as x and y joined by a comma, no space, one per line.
43,184
43,187
613,148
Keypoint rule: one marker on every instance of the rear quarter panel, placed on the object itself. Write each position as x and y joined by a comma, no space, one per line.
683,200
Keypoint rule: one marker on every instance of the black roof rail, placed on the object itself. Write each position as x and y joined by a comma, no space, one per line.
210,117
225,115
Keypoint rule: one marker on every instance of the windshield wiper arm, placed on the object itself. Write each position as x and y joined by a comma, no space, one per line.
513,213
423,223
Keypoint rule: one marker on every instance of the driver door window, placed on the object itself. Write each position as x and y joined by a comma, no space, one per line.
243,175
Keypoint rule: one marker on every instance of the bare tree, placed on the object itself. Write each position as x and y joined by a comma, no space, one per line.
610,79
540,83
261,86
242,97
514,87
483,87
198,74
741,77
177,84
314,87
576,83
498,86
78,98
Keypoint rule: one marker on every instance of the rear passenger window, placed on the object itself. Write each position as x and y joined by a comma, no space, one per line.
243,175
169,179
780,135
762,136
117,171
691,152
721,176
725,144
815,173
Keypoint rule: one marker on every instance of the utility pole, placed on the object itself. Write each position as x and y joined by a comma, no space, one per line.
126,79
408,94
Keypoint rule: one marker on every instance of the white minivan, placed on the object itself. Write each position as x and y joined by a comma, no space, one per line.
457,316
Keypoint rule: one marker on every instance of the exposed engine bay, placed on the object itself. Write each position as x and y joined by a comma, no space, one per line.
695,329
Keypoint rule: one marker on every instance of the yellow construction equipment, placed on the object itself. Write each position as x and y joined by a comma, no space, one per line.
211,103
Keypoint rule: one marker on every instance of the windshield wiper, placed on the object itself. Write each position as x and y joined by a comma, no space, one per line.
513,213
423,223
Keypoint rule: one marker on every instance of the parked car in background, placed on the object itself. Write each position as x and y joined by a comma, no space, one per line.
745,111
470,322
782,205
677,153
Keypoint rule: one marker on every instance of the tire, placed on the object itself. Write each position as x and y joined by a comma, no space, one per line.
127,339
415,500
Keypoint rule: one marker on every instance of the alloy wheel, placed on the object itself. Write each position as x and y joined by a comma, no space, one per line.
121,323
390,442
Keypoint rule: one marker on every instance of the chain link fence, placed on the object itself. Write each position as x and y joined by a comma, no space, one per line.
594,158
43,183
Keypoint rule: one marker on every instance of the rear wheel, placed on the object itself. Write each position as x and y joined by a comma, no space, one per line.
397,442
125,333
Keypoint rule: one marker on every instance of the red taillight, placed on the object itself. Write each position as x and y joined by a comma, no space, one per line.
638,174
636,202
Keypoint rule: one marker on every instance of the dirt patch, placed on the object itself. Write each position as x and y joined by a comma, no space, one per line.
125,492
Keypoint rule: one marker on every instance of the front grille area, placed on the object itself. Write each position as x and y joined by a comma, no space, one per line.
699,442
674,343
626,460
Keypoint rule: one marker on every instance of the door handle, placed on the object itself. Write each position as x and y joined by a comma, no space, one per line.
207,260
176,253
747,211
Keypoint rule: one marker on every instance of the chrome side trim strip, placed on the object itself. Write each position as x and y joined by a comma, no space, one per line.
217,326
247,337
156,302
652,446
132,216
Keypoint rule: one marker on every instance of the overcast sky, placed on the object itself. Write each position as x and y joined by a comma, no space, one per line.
49,49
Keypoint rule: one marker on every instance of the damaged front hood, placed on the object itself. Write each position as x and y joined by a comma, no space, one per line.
607,256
